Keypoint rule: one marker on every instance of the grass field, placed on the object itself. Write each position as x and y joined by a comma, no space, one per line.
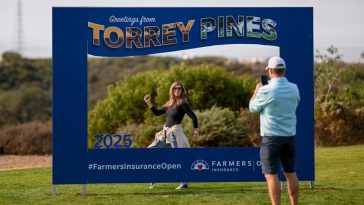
339,180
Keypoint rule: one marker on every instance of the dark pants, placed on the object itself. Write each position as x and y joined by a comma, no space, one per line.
275,151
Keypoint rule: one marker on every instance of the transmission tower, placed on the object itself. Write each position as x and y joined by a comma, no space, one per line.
19,32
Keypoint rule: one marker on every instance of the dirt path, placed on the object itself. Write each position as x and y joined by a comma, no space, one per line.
8,162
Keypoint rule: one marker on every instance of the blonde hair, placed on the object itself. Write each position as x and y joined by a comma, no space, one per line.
175,101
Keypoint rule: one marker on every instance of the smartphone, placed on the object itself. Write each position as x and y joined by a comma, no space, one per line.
264,79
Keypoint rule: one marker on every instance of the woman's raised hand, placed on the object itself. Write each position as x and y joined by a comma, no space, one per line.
147,99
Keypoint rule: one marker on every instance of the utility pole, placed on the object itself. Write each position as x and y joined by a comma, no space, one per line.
19,33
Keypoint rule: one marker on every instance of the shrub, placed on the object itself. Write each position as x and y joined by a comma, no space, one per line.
28,103
218,128
338,124
28,138
142,135
251,124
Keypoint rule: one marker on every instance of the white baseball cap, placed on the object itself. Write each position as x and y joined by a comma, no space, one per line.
276,63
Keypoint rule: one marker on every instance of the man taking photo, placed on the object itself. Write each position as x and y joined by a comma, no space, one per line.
277,102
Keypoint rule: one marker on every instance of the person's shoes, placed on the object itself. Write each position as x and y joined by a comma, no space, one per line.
152,185
182,186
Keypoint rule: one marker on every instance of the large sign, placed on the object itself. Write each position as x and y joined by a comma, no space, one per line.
119,32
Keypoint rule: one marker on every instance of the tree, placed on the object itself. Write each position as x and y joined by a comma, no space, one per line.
327,73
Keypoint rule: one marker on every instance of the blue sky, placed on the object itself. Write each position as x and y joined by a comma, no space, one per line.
337,23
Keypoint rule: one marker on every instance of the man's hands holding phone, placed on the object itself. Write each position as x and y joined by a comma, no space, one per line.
264,80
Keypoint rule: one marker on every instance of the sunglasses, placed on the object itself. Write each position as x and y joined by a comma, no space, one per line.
177,88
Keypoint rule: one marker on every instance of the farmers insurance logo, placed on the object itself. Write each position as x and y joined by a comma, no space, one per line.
200,165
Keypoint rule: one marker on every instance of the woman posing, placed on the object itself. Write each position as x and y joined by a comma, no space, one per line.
175,109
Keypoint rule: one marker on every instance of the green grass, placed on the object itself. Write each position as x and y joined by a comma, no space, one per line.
339,180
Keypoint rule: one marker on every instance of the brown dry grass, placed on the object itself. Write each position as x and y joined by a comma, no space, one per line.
31,138
9,162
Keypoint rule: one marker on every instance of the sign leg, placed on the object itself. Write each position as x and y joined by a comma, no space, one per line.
84,189
312,184
54,190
